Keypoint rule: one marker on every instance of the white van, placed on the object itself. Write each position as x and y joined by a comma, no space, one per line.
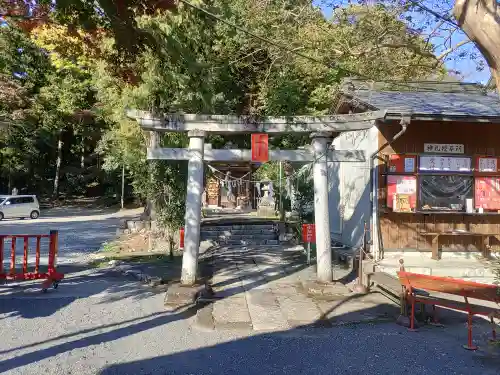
19,206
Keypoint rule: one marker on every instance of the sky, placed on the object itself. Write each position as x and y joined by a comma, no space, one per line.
464,64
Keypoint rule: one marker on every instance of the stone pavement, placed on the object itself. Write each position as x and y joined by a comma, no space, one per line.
268,289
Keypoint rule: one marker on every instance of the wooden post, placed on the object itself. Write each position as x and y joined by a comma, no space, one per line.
122,200
435,247
404,310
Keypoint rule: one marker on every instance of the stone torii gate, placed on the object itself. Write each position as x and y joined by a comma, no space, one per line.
322,130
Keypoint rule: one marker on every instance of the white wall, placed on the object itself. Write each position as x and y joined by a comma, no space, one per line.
349,187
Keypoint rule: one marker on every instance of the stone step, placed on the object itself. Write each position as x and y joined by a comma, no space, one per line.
249,242
236,232
244,227
229,236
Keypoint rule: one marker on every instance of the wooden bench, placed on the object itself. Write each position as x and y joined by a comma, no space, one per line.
392,289
436,235
457,287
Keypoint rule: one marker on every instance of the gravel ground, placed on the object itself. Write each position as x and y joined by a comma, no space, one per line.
81,230
124,329
99,322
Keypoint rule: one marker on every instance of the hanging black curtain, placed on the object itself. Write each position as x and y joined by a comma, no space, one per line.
445,192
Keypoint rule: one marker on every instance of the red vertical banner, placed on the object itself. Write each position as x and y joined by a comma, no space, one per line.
309,233
181,238
260,147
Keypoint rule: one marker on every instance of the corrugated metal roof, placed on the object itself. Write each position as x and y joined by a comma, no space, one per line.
432,103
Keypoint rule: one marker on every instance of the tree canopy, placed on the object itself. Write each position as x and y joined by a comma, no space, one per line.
71,78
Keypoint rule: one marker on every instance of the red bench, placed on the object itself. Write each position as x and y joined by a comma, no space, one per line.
466,289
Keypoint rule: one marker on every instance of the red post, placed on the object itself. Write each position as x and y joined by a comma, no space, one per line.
37,256
53,244
493,329
1,254
181,238
434,314
25,258
308,233
13,256
412,321
469,345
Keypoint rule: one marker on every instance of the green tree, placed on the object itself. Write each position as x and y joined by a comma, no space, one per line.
59,107
200,64
23,69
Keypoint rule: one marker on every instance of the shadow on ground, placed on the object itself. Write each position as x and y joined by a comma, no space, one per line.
345,349
26,299
382,349
356,349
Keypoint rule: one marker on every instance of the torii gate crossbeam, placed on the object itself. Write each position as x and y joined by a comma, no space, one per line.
236,155
222,124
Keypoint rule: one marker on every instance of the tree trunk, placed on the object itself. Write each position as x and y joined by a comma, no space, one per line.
149,211
294,201
496,76
122,200
9,187
82,158
479,19
55,193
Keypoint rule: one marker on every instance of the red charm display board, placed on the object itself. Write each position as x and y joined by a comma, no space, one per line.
309,233
402,185
402,163
487,193
260,147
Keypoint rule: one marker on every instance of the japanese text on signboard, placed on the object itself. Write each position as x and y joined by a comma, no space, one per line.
444,148
309,233
487,165
445,164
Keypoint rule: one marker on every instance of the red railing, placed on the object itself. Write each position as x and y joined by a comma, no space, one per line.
51,276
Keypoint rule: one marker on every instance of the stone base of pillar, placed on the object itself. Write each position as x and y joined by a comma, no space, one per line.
178,295
322,290
405,321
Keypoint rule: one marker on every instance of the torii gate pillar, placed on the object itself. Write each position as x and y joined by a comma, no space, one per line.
321,215
193,207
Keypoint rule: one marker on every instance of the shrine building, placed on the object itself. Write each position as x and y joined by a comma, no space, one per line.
433,168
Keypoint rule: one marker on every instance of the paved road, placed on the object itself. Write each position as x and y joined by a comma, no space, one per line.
81,230
99,322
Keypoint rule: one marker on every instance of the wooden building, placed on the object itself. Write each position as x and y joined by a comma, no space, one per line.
239,177
434,168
